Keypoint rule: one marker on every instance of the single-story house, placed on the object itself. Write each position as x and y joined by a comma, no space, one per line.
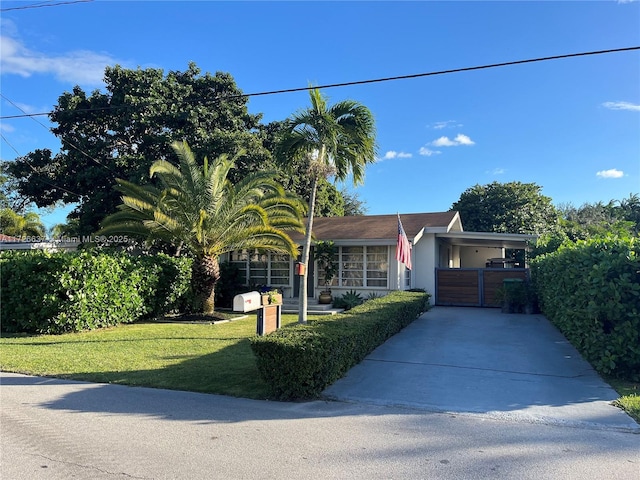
456,267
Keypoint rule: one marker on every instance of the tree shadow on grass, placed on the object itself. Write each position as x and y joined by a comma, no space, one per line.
219,387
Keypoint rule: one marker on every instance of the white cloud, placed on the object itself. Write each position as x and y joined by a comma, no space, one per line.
463,140
460,139
427,152
498,171
25,108
7,128
78,67
391,154
622,106
611,173
443,142
445,124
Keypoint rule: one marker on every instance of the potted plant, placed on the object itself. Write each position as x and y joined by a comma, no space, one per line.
512,295
325,252
271,296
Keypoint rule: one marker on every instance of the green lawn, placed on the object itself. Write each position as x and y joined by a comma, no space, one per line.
213,358
629,393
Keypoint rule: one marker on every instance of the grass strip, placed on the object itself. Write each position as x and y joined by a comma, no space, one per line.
209,358
629,392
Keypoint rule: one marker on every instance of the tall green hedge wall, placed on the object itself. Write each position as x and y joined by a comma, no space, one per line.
591,291
69,292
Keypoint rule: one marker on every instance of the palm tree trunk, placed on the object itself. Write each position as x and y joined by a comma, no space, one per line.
302,314
205,273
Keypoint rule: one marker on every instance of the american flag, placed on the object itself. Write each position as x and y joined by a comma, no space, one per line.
403,248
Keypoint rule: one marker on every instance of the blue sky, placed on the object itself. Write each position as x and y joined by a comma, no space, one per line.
572,126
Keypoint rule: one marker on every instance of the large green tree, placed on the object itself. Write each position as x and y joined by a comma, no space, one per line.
198,208
10,197
15,225
513,207
121,131
326,141
599,218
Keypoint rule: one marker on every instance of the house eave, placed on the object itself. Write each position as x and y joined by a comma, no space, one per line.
479,239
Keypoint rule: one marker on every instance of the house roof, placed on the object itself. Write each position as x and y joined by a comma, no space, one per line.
378,227
8,238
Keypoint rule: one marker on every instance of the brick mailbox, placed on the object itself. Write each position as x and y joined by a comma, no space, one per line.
269,317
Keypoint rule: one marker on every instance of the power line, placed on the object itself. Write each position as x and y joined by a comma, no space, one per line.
40,5
444,72
376,80
46,128
37,172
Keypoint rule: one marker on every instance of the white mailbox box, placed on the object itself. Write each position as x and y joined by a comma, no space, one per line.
246,302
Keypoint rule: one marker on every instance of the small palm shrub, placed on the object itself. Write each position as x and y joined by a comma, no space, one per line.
348,300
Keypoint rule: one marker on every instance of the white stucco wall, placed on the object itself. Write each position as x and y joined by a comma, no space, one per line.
425,255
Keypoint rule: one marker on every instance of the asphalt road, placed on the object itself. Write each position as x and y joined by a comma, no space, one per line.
57,429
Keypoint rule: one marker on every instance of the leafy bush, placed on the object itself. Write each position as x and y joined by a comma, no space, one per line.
68,292
591,291
167,285
300,361
348,300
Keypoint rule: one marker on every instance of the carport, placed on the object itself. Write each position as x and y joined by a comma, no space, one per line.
473,266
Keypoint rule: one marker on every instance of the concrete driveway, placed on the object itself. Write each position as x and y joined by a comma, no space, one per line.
483,362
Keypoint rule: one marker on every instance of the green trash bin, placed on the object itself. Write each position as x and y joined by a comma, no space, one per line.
515,295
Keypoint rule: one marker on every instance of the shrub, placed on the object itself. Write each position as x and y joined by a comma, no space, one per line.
167,283
591,291
300,361
348,300
68,292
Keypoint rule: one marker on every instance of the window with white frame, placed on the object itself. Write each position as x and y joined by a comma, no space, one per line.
407,279
262,268
351,266
362,266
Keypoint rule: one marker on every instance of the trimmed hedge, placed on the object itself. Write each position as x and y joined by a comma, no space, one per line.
300,361
591,291
69,292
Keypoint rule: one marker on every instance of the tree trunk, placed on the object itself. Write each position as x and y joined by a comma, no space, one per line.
205,273
302,305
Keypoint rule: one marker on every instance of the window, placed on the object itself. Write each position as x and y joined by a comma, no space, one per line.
279,270
407,279
262,268
363,266
377,266
351,266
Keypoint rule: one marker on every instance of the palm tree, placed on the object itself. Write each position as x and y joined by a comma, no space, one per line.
198,208
15,225
334,141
